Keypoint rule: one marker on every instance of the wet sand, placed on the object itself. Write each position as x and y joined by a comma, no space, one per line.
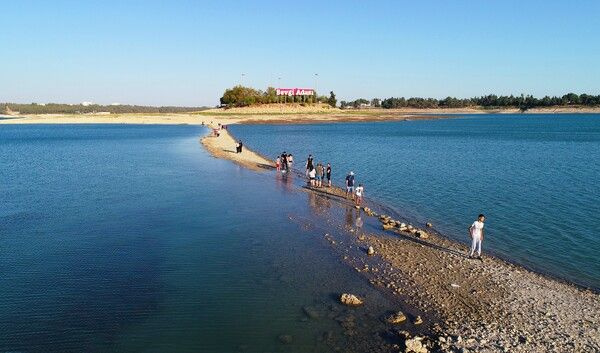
487,305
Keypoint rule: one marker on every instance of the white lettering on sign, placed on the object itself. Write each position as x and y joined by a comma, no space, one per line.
295,91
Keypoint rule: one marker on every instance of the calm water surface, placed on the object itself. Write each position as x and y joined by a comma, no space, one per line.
536,177
133,239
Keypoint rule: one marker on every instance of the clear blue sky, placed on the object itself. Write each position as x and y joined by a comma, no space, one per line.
188,52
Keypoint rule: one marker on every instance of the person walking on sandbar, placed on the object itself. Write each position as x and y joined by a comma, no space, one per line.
476,233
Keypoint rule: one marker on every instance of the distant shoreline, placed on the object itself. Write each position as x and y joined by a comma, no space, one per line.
274,114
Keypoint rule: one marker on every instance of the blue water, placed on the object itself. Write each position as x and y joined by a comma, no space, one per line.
536,177
132,238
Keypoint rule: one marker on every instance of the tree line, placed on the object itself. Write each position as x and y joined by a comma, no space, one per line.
522,102
240,96
55,108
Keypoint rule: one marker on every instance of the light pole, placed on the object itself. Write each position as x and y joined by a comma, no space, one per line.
315,95
278,86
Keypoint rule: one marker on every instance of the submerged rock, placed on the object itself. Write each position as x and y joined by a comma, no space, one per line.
429,225
370,251
286,339
418,320
396,318
311,312
350,300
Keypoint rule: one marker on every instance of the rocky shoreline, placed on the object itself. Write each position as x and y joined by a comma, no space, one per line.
486,305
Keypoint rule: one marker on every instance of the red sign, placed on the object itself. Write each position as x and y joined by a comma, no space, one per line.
295,91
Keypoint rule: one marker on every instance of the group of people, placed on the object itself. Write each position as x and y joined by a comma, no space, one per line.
317,173
356,193
239,146
285,162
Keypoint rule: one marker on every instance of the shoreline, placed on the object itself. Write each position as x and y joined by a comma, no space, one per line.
275,116
489,306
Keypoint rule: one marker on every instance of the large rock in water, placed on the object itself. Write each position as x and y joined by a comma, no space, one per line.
396,318
370,251
350,300
414,345
422,234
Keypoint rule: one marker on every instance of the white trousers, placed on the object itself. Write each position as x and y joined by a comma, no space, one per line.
476,243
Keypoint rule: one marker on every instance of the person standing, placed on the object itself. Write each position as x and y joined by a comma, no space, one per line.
476,233
359,194
290,161
311,175
278,163
320,173
284,165
241,146
350,184
328,172
309,164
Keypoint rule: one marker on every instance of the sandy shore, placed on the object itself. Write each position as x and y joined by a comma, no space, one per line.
275,114
483,306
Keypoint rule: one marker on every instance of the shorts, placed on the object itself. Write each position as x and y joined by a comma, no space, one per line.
349,188
312,178
328,176
319,177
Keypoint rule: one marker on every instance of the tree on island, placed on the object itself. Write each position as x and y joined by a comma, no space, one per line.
332,101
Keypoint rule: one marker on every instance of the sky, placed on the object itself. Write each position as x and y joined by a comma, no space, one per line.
186,53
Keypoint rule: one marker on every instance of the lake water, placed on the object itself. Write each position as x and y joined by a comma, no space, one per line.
536,177
131,239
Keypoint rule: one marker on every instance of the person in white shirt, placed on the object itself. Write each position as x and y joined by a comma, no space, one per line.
476,233
311,175
359,194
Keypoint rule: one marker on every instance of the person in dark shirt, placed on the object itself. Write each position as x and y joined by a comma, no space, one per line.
328,173
350,184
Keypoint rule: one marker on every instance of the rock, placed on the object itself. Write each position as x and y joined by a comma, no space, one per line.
404,334
396,318
422,234
414,345
418,320
370,251
387,226
429,225
286,339
350,300
357,207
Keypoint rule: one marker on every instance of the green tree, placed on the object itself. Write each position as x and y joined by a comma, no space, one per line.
332,101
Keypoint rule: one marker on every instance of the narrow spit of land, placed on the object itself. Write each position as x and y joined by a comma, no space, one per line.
485,306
